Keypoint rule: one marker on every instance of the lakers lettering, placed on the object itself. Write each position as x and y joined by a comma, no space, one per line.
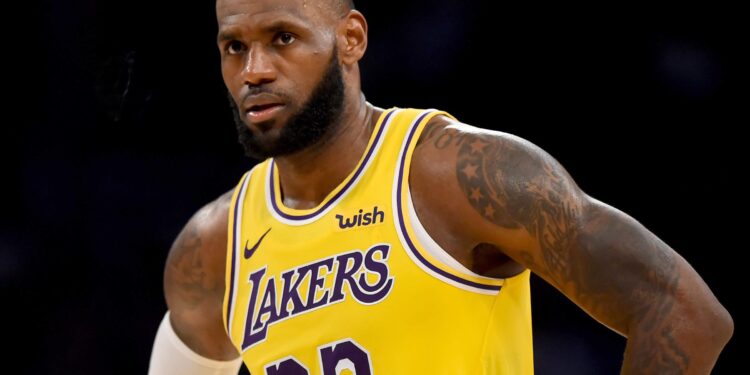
316,285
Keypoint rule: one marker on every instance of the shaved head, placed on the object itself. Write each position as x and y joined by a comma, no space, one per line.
339,7
348,4
335,8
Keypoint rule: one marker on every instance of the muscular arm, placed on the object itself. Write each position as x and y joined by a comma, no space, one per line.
194,281
518,199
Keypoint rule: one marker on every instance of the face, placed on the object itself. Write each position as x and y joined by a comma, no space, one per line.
307,126
280,66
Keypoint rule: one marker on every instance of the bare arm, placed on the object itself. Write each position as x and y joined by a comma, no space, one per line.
194,281
518,199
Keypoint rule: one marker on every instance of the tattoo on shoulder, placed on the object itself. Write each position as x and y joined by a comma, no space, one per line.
506,200
428,133
440,134
514,189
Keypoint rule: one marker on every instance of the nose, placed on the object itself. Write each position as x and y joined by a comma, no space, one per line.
259,68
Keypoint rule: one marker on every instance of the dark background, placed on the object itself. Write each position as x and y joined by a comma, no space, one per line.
123,131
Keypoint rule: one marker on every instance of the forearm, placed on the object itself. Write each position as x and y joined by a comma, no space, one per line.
674,323
672,350
687,339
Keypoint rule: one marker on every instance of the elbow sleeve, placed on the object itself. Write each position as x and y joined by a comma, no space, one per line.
171,356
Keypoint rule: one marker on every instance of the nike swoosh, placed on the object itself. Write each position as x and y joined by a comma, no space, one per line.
249,252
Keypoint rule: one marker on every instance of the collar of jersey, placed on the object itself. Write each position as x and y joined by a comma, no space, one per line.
299,217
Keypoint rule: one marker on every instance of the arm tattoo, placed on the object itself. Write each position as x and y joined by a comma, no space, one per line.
536,202
428,133
514,188
188,271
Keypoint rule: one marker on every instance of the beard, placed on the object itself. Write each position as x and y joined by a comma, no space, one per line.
315,118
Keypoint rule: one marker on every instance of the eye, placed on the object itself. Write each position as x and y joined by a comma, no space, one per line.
234,47
285,39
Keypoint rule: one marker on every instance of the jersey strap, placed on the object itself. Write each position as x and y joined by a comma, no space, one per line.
428,259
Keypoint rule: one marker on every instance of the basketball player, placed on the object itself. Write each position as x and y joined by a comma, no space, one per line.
398,241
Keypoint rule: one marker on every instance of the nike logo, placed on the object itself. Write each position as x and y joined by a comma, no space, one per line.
249,252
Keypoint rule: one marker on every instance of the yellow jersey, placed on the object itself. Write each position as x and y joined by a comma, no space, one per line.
356,285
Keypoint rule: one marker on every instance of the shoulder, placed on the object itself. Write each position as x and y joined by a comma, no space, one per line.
211,220
208,226
446,133
196,262
449,145
488,172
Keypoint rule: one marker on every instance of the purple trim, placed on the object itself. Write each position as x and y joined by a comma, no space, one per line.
234,253
341,192
409,241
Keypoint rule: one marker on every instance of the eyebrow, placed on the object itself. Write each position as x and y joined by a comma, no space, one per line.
226,35
232,33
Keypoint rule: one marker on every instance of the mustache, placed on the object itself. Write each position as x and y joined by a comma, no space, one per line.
262,89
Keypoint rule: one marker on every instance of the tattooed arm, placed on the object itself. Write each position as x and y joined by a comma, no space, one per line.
194,281
519,201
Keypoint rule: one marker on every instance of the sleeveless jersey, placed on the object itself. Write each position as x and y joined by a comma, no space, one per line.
356,285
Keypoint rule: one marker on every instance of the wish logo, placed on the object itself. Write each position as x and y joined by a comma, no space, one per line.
361,219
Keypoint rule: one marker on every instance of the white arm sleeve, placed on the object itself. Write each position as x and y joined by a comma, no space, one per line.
171,356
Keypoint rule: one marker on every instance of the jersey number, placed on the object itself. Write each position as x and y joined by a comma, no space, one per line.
334,359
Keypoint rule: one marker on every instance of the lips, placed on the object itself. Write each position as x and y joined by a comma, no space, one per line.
262,107
264,112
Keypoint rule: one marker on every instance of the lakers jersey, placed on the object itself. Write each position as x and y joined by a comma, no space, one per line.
356,285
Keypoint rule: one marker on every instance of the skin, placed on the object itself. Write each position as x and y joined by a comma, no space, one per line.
518,207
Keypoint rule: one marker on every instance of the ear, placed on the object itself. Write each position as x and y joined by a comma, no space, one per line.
352,37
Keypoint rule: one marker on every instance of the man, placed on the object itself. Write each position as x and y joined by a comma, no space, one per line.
400,240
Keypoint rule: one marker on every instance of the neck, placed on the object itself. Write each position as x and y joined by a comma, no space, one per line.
308,176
